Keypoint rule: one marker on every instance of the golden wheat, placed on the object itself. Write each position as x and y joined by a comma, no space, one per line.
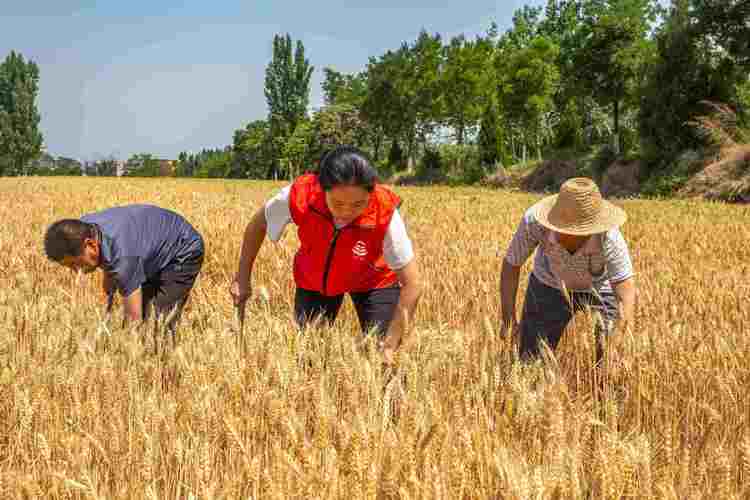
88,410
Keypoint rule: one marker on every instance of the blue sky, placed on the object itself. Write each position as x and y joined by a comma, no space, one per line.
123,77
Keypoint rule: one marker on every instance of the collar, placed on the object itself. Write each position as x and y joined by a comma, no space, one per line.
590,246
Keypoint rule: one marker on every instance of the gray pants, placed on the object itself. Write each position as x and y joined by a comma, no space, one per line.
546,313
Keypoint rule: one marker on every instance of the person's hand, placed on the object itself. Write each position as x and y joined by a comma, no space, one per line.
618,337
108,285
509,329
240,291
388,347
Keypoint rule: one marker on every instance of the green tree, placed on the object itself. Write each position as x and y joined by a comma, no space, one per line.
142,165
343,88
295,152
20,138
727,22
524,28
422,82
563,23
347,100
67,166
404,96
337,124
528,82
615,53
490,139
287,89
214,163
252,148
690,67
388,109
465,64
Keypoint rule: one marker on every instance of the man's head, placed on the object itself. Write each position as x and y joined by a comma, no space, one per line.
74,244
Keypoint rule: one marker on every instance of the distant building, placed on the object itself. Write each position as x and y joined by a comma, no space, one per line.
120,168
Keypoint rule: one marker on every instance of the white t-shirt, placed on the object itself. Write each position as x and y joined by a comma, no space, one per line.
397,247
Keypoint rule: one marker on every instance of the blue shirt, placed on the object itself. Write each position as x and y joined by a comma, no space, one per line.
140,241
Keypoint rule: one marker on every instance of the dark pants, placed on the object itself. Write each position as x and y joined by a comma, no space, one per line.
168,291
374,308
546,313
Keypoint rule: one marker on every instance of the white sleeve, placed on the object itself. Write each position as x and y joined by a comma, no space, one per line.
397,247
278,214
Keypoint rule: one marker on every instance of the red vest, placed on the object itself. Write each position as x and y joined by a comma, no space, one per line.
334,261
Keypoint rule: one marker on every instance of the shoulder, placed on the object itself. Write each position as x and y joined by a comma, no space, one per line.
305,181
303,191
530,224
614,237
386,197
303,186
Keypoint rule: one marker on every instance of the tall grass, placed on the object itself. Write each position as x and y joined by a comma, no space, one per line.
88,410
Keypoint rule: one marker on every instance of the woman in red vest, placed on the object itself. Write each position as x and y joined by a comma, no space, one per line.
352,240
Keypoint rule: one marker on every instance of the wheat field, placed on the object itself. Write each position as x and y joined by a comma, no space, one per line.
89,409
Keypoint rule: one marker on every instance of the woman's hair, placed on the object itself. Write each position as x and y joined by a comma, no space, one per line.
66,237
349,166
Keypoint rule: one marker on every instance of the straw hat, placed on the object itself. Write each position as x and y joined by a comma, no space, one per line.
578,209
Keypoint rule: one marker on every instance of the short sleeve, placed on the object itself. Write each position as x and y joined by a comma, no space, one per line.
397,246
525,240
619,264
278,214
128,274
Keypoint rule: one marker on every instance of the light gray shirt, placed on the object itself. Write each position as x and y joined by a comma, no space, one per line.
603,260
397,247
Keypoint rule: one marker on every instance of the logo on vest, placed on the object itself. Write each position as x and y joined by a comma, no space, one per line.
360,250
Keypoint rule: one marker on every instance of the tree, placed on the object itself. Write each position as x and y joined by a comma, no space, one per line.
20,138
142,165
727,22
490,140
465,63
528,82
689,68
525,28
404,95
342,88
287,89
614,53
337,124
295,152
385,109
253,150
563,24
422,83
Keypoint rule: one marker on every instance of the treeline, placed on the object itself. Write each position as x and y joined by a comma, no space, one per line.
627,77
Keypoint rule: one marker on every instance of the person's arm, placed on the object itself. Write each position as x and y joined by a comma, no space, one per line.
271,220
621,275
107,283
509,277
525,240
411,291
108,287
255,233
127,276
626,292
133,306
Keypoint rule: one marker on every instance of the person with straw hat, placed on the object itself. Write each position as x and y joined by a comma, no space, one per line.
582,262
